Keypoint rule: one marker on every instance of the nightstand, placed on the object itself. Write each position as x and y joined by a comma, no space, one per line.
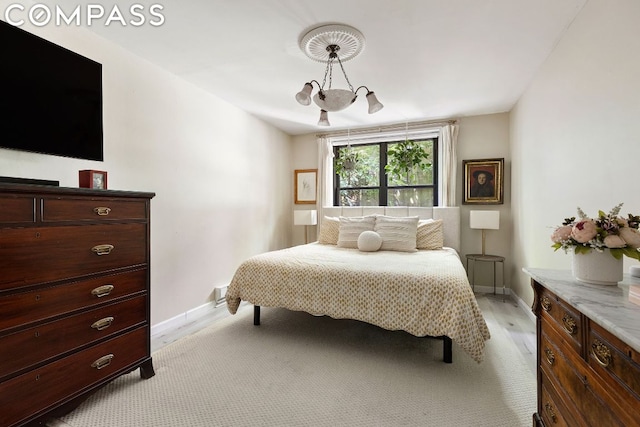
486,258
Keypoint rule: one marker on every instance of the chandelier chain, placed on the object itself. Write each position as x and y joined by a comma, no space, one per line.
345,74
326,72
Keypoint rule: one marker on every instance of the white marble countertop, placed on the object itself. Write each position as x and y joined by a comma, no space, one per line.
608,306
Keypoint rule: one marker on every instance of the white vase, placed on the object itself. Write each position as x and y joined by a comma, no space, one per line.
598,268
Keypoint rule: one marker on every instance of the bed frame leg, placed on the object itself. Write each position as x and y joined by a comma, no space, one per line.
256,315
447,351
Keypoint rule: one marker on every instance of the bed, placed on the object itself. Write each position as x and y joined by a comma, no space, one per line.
424,292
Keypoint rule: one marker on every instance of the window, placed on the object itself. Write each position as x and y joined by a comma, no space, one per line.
376,174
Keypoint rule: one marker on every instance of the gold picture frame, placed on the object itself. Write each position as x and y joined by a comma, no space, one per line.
305,186
483,181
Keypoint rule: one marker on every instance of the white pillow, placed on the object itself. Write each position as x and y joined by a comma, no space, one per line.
430,234
398,233
350,229
369,241
329,229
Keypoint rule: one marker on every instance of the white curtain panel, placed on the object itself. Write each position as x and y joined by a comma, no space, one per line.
325,169
448,143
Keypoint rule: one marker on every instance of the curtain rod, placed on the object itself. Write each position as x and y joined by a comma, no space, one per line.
380,129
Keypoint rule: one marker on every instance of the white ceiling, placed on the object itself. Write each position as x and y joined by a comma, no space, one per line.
425,59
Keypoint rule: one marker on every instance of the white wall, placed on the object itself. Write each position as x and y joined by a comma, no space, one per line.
575,133
486,137
304,156
222,178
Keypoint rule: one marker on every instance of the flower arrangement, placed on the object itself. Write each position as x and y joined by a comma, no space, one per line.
607,231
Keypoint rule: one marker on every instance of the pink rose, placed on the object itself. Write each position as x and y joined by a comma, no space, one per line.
561,234
584,230
613,241
631,236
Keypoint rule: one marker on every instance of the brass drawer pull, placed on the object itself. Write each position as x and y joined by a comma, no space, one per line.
102,249
601,353
551,358
102,291
548,407
569,324
102,324
102,211
103,362
545,303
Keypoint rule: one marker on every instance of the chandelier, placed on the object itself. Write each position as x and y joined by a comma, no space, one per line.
330,44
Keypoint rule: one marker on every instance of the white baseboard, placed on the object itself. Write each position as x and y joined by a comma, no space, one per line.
489,290
526,308
184,318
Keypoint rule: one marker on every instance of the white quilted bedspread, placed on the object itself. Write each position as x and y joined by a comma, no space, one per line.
423,293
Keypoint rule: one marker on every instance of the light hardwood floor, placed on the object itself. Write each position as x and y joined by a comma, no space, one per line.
510,316
518,324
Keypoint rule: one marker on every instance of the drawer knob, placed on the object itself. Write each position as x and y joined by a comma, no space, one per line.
548,407
102,324
102,249
545,303
601,353
102,210
102,291
103,362
569,324
551,358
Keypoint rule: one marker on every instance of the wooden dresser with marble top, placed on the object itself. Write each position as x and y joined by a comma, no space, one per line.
74,296
588,361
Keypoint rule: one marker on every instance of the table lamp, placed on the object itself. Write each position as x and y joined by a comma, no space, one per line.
306,218
484,220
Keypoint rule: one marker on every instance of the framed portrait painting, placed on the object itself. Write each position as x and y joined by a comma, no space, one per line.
483,181
305,183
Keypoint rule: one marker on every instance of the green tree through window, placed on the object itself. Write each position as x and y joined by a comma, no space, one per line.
373,175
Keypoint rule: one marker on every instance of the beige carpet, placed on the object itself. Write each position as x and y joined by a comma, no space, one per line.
300,370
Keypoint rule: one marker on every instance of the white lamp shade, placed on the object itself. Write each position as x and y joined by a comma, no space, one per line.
487,220
306,217
334,99
304,96
374,104
324,119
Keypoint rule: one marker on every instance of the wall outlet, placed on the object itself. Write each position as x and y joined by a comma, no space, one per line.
219,293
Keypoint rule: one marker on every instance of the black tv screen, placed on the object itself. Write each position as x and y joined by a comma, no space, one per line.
51,97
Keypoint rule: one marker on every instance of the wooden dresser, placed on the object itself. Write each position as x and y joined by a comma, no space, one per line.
74,296
588,352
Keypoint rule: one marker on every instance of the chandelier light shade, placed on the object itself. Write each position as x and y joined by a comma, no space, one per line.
330,44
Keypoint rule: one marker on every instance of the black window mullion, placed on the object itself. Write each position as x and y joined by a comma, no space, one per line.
382,194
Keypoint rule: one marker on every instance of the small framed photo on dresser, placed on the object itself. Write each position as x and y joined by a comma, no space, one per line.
93,179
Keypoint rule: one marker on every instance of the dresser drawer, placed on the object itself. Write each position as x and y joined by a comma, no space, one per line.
552,410
35,345
95,209
562,367
17,209
30,256
564,318
614,361
34,306
43,388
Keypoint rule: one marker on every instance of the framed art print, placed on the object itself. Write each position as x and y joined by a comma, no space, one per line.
305,183
483,181
93,179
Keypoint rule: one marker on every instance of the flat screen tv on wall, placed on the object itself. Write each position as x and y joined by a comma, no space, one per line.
50,97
